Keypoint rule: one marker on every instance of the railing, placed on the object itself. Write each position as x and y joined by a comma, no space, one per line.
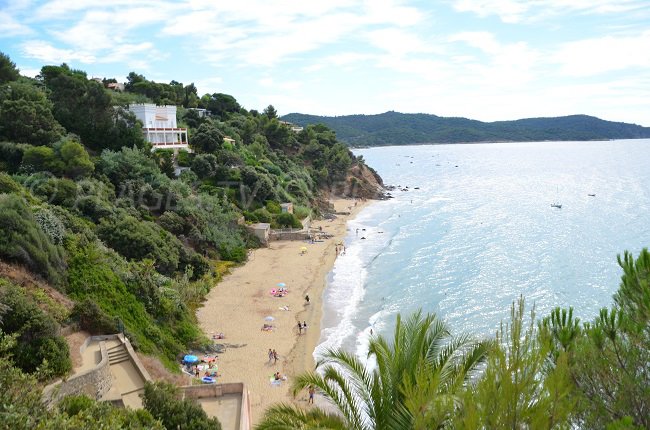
163,129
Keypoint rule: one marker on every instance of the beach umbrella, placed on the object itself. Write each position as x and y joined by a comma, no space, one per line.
190,358
281,284
304,248
269,318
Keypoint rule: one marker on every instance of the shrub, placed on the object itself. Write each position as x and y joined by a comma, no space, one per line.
38,345
184,159
263,215
163,401
288,220
92,318
172,222
22,240
8,185
51,225
137,240
273,207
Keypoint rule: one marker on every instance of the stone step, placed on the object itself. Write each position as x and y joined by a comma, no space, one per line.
119,359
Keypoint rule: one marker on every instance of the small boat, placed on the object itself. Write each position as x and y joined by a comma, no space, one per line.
591,195
556,203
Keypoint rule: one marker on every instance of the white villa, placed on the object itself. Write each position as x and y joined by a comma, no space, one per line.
160,127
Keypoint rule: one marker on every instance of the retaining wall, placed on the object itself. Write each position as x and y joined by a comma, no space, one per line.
217,390
93,382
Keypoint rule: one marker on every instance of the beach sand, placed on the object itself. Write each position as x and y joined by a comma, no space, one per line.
239,304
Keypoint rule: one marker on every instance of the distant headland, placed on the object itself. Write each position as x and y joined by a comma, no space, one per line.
395,128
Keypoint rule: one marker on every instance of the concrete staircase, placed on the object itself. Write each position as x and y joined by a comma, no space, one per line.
118,354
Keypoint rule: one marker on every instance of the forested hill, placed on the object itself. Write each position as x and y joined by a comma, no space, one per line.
102,232
394,128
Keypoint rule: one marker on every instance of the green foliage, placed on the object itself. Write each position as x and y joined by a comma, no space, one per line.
220,105
38,347
184,159
92,318
11,156
517,389
8,185
394,128
415,384
83,107
41,159
26,115
207,139
205,165
76,160
22,240
164,402
173,93
273,207
8,70
288,220
609,360
135,239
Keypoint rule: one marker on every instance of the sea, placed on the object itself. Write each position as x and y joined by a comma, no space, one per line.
471,229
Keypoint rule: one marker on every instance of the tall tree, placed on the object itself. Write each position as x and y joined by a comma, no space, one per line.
26,115
8,70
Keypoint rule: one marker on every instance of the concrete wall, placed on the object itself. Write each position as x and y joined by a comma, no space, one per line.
217,390
288,235
94,382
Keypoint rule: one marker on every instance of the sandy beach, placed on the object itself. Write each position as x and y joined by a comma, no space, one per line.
240,304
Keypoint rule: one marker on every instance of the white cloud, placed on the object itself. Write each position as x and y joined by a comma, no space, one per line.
47,53
9,27
604,54
512,11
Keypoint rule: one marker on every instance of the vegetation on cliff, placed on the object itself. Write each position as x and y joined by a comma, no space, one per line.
135,238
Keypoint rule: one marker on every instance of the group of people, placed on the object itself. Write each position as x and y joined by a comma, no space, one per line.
340,249
273,355
302,326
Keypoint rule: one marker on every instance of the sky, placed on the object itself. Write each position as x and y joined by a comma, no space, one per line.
481,59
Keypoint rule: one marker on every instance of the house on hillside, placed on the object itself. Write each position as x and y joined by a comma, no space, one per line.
160,127
115,86
295,128
202,113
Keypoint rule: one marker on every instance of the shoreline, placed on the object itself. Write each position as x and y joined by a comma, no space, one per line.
240,304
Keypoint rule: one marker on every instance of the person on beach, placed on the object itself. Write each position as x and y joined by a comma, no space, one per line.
299,328
275,356
307,298
311,394
304,326
270,355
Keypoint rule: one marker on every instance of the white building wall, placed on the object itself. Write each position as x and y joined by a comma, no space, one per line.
159,125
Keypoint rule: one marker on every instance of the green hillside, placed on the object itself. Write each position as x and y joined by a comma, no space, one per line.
394,128
130,239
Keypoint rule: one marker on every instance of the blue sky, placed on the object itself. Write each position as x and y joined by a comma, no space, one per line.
482,59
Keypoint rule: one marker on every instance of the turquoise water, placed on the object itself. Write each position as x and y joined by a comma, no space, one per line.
480,231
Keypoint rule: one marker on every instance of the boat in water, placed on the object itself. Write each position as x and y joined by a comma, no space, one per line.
556,203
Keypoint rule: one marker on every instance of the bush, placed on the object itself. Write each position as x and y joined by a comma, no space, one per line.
172,222
22,240
288,220
263,215
138,240
301,212
273,207
38,345
184,159
92,318
164,402
8,185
